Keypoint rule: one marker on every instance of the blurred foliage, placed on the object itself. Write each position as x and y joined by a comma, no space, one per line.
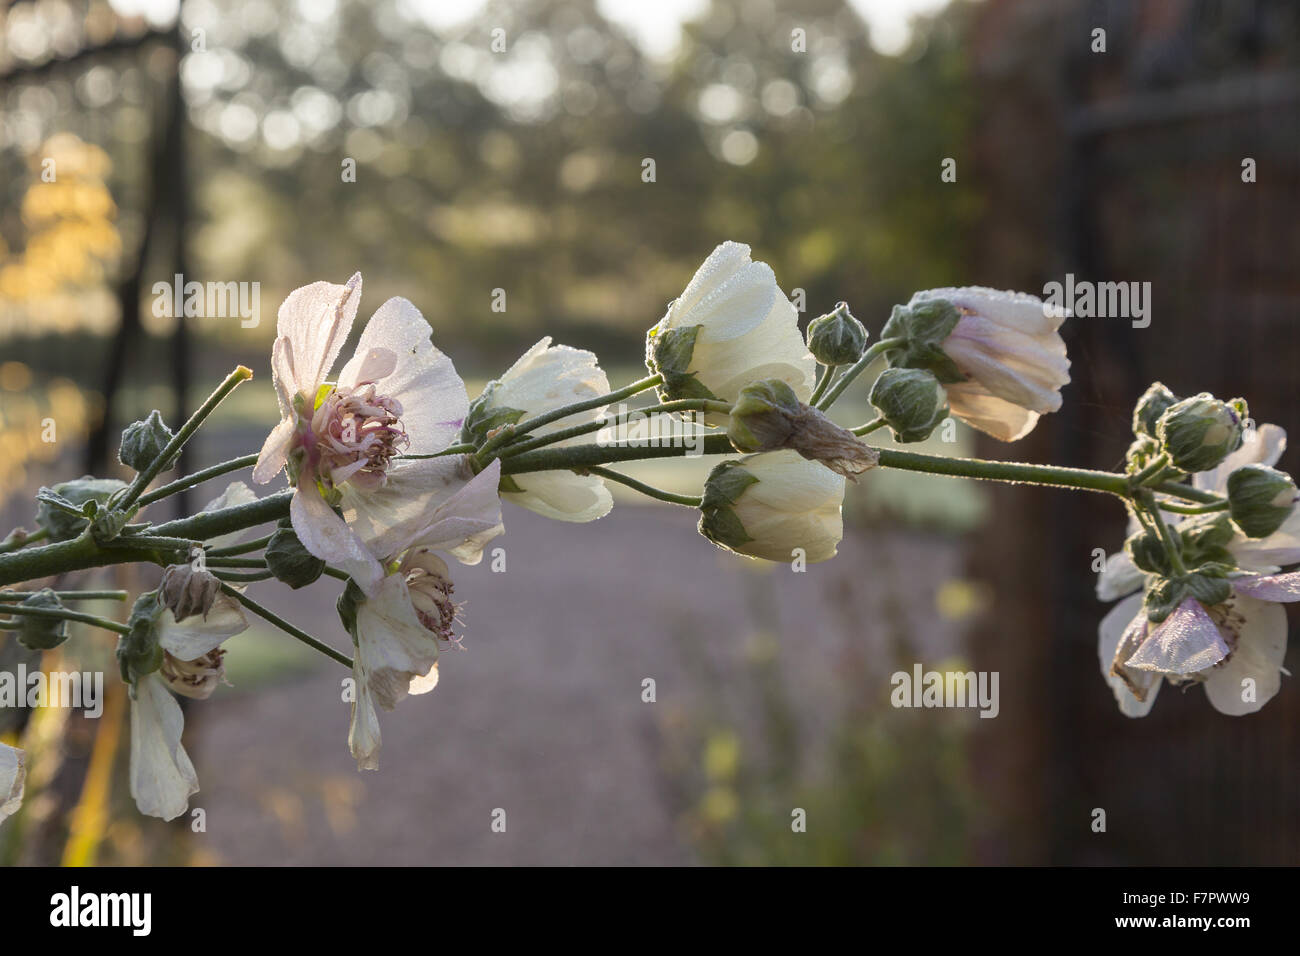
522,169
878,786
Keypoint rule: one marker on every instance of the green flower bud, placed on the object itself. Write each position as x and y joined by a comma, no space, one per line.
142,442
1163,595
768,416
1199,432
911,400
485,416
41,633
59,522
1153,403
138,651
837,338
1148,552
923,325
1141,453
1260,499
289,561
1204,539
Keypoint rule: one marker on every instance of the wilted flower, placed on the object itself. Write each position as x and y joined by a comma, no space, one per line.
398,394
184,655
768,505
186,590
13,774
998,354
397,622
768,416
546,377
731,326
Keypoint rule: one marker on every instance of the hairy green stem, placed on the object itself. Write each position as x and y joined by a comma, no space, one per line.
691,501
189,481
856,369
18,538
142,479
67,595
614,421
62,614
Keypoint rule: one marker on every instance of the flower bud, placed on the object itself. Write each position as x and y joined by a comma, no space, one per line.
1199,432
1153,403
144,441
289,561
1260,498
837,338
197,678
732,325
773,505
1142,452
911,401
1148,552
64,526
138,650
186,590
41,633
768,416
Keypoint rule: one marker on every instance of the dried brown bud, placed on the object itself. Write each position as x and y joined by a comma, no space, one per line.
186,590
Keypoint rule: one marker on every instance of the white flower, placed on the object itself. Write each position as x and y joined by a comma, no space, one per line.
547,377
13,774
769,504
397,395
1222,646
162,776
1008,347
403,615
731,326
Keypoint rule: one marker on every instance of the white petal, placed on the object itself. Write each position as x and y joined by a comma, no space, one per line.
424,380
434,500
722,263
1013,310
325,534
1280,588
1185,642
13,774
190,639
1264,447
979,408
1261,646
363,734
393,644
1266,555
562,495
316,319
422,685
162,777
1120,577
1110,632
275,451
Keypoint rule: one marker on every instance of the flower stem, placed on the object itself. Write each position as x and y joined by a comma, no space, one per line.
18,538
869,427
142,479
1193,509
189,481
285,626
856,369
1150,471
220,562
241,577
67,595
65,615
1146,502
462,449
1187,493
614,421
82,552
690,501
255,545
822,384
508,433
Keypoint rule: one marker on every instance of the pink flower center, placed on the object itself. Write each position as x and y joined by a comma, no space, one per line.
354,435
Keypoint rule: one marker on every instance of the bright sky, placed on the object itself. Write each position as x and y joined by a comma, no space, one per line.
656,26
